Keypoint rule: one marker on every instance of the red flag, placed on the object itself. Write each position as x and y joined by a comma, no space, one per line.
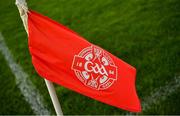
62,56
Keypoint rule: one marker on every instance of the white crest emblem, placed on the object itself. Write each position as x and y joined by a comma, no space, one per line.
94,68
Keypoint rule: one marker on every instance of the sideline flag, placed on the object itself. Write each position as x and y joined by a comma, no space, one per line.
62,56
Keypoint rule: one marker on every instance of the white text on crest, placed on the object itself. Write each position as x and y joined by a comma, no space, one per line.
94,67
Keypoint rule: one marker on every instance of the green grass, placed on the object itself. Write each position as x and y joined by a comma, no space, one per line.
144,33
11,99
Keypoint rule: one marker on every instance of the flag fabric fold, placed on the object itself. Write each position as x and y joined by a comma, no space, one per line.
63,57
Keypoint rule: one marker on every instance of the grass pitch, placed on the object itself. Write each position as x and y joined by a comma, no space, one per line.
144,33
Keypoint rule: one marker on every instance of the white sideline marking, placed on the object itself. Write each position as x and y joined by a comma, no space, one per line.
26,87
161,94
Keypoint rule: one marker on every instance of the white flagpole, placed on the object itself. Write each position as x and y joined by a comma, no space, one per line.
54,98
23,9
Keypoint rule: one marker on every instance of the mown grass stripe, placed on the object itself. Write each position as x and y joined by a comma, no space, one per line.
26,87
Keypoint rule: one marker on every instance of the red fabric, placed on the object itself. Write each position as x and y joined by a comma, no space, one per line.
62,56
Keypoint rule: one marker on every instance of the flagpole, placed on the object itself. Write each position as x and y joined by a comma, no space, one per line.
54,98
23,9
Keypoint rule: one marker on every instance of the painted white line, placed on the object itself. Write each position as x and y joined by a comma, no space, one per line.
26,87
161,94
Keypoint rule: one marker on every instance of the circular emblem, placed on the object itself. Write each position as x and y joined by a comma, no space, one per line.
95,68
